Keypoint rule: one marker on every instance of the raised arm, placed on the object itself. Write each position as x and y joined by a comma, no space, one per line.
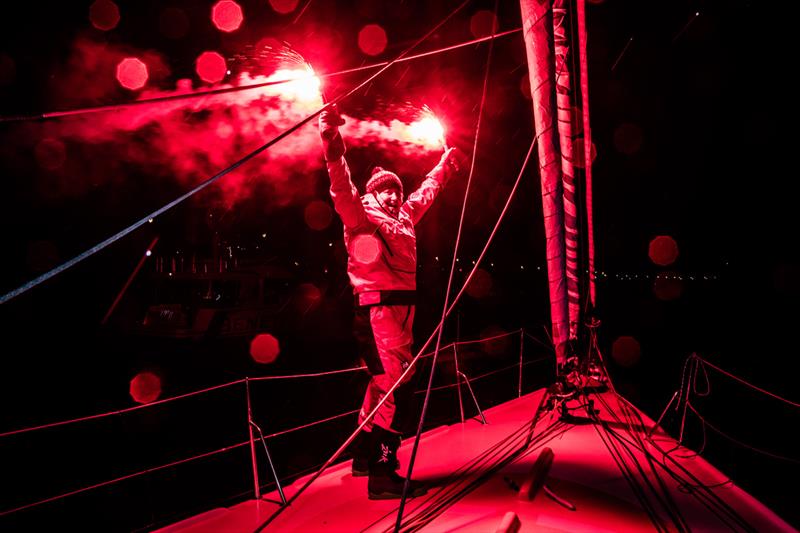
421,199
345,196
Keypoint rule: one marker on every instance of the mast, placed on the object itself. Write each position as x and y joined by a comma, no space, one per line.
536,28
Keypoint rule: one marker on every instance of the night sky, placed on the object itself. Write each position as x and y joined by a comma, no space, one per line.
689,107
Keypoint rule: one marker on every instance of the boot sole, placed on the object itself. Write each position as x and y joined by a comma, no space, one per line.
394,495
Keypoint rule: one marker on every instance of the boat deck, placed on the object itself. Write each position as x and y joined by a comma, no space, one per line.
475,472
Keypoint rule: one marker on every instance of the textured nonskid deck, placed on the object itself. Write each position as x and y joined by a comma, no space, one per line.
474,472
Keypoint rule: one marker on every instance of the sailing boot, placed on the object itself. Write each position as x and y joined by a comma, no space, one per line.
362,449
384,483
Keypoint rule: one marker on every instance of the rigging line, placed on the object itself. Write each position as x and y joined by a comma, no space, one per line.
225,90
636,488
710,500
425,403
705,496
478,472
421,350
663,499
119,411
435,510
740,380
47,275
635,430
740,443
123,478
314,375
461,473
486,375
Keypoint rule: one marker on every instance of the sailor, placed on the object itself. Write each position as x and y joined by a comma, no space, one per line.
382,262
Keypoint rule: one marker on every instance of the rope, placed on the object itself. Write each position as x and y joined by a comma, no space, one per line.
225,90
57,270
316,374
415,448
740,380
740,443
117,412
487,374
123,478
424,346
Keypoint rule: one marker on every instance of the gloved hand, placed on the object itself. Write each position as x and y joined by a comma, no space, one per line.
451,161
332,142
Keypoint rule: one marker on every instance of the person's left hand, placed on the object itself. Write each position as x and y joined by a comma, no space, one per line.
450,159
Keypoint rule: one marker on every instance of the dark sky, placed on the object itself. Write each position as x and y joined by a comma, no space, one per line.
689,105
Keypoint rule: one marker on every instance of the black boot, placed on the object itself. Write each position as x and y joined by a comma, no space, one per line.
362,448
384,483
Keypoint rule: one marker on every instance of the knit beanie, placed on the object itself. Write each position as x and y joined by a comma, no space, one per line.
381,179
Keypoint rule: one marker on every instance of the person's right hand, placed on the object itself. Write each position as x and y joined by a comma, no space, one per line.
332,142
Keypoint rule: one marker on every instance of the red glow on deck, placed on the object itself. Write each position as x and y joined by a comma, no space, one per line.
482,23
173,23
365,248
264,348
372,39
318,215
283,6
145,387
227,15
50,153
628,138
663,250
132,73
626,351
668,286
104,15
211,67
480,285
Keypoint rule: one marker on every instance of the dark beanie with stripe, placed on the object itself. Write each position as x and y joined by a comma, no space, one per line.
381,179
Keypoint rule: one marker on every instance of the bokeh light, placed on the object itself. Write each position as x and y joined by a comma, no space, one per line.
227,15
264,348
482,24
211,67
663,250
497,342
104,15
372,39
308,296
579,155
145,387
480,285
626,351
365,248
283,6
318,215
132,73
668,286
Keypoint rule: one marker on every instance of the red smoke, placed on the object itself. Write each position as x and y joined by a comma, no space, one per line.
190,140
